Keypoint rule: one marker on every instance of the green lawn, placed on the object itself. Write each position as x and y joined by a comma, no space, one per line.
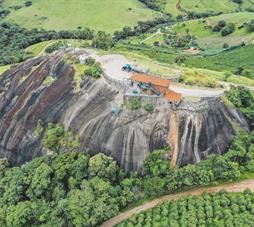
107,15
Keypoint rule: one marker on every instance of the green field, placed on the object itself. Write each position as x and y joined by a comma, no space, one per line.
106,15
201,6
226,61
207,39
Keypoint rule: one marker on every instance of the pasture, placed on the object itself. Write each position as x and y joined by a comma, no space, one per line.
106,15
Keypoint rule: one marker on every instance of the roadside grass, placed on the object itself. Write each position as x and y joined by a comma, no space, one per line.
106,15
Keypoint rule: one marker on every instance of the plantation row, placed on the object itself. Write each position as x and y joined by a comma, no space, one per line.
208,210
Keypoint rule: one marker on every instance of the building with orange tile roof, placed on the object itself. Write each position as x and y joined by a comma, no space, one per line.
162,85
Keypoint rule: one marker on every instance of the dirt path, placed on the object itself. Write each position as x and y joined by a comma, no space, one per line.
158,32
234,187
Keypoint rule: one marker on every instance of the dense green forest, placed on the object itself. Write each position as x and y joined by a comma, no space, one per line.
208,210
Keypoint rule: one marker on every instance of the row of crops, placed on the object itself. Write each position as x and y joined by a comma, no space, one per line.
209,210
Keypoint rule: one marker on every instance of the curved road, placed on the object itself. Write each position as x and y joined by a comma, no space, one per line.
234,187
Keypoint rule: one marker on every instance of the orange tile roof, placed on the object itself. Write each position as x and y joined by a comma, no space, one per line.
140,77
173,96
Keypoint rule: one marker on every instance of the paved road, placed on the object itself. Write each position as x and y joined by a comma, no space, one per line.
234,187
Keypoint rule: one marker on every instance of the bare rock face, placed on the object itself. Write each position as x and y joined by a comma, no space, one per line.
192,131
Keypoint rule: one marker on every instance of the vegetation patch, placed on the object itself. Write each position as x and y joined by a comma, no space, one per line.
135,104
48,81
199,79
149,107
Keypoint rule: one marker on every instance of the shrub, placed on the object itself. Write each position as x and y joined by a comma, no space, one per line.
230,28
94,71
134,104
90,61
250,26
225,45
149,107
180,59
55,46
28,3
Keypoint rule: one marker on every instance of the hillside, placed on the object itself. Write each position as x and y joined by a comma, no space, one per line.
202,29
106,15
179,7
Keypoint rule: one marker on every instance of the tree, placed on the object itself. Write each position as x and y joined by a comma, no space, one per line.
58,140
21,214
134,104
154,186
102,41
94,71
230,28
102,166
250,26
40,182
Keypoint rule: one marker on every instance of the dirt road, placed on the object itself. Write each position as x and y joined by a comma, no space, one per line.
234,187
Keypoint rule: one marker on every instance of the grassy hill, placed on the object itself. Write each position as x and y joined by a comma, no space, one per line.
106,15
202,30
201,6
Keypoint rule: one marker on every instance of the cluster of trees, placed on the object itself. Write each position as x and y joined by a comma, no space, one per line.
242,98
157,5
14,40
94,68
141,28
67,189
55,46
160,177
224,28
64,188
216,209
184,41
198,15
102,41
